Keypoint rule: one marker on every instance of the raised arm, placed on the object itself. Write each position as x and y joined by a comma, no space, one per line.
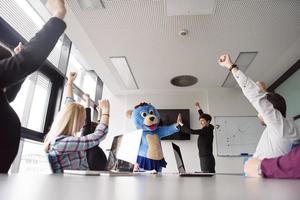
205,130
87,127
12,91
72,144
200,111
167,130
35,52
253,92
69,90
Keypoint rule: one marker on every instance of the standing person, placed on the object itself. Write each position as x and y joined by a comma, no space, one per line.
280,132
205,139
13,71
67,150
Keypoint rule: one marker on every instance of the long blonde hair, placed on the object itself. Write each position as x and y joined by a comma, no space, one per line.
67,122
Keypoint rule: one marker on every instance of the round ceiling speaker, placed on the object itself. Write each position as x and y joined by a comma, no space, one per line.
184,80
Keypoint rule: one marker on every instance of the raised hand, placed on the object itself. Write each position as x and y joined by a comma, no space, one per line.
18,48
86,98
71,77
104,106
179,119
225,61
262,86
57,8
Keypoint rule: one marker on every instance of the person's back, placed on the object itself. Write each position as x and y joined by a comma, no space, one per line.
277,139
66,160
65,149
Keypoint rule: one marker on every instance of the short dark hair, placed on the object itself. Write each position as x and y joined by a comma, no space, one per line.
205,116
278,102
4,51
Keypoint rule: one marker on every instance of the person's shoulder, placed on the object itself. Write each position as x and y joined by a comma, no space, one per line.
209,127
59,138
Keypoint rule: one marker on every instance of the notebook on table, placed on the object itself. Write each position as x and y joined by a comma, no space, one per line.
180,165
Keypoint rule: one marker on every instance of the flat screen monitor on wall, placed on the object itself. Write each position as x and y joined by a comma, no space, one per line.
169,116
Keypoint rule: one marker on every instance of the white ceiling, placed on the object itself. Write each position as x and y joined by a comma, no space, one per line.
142,31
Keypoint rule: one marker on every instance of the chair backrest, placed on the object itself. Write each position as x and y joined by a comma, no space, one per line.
50,162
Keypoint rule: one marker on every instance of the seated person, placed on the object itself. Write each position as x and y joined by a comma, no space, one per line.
286,166
280,132
96,157
65,149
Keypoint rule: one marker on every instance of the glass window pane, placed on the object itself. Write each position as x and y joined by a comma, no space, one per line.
39,104
19,103
290,90
75,66
34,159
89,84
27,22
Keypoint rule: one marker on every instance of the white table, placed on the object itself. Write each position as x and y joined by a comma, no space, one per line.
154,187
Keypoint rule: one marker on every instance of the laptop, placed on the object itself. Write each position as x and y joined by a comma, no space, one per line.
180,165
122,156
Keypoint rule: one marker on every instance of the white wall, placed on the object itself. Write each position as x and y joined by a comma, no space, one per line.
228,102
217,102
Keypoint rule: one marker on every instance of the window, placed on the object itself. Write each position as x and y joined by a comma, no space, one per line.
32,101
27,22
34,159
86,80
290,90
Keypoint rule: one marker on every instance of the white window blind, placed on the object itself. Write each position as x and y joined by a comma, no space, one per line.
32,101
26,21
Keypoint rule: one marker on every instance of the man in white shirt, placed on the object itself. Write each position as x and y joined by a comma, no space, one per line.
280,132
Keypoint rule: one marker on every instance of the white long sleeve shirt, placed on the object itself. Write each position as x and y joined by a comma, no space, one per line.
280,132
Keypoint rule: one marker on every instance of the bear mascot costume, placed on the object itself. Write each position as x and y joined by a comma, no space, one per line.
147,118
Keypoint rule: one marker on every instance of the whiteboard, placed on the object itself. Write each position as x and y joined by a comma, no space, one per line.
236,136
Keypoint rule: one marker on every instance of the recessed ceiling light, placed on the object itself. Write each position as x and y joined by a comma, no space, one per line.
90,4
125,73
184,80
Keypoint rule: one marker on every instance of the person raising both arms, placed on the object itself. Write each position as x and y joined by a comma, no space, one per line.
13,71
65,148
205,139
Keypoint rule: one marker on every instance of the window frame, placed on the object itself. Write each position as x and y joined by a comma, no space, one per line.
57,76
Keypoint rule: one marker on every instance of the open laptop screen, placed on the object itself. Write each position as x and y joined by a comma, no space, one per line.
123,152
178,157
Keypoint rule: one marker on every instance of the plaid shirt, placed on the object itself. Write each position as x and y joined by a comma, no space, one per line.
69,152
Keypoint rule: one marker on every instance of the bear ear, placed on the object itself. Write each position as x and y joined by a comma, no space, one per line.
129,113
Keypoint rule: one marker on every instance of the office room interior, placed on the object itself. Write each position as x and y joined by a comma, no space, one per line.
158,40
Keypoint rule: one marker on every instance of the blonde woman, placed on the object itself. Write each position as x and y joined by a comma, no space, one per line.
65,149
